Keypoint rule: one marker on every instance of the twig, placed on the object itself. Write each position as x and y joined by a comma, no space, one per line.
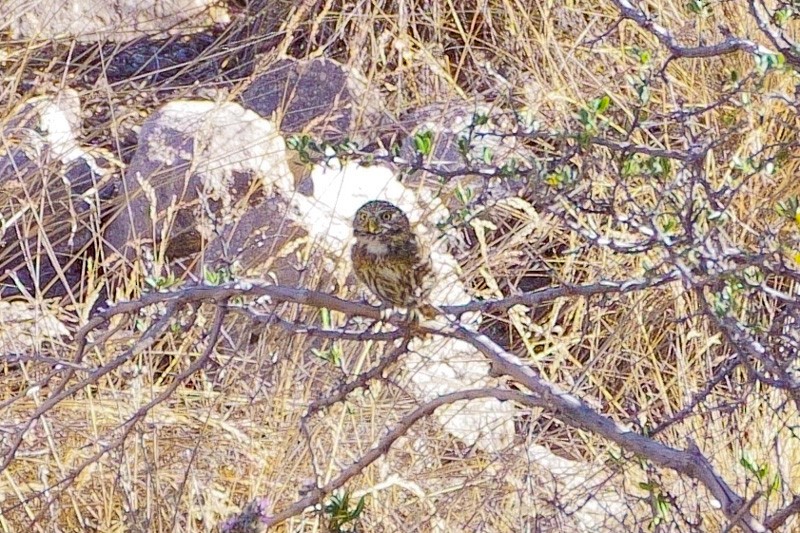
315,496
360,381
61,392
312,331
140,413
780,517
728,46
577,413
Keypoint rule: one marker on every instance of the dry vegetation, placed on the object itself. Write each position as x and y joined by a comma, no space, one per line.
683,180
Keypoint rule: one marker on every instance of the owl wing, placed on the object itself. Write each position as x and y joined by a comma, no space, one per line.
422,271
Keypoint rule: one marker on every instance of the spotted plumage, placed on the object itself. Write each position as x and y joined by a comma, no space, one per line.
388,258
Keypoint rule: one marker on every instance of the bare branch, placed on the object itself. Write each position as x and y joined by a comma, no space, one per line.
61,393
315,497
690,155
550,293
779,518
787,47
360,381
277,293
577,413
127,427
562,404
728,46
312,331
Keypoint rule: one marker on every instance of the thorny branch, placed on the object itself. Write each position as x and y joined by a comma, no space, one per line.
561,404
61,392
728,46
130,424
315,497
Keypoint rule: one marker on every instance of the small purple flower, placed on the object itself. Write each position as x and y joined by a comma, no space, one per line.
250,520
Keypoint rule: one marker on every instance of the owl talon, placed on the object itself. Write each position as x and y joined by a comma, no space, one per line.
415,316
386,314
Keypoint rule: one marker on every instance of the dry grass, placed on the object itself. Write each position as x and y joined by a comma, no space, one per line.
234,431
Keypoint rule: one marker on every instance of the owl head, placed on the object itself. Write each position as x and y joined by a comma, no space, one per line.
378,218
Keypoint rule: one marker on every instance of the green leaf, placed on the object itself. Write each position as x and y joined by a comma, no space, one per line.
464,195
480,119
782,16
600,105
775,486
423,143
325,315
697,7
583,117
487,155
767,62
463,146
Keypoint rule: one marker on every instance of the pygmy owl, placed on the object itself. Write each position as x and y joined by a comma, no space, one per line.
388,258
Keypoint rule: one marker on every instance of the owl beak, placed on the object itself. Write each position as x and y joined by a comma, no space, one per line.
372,225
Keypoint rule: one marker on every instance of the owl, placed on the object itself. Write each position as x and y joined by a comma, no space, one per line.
389,259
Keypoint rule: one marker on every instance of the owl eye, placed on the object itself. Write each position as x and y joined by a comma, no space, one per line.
386,217
362,216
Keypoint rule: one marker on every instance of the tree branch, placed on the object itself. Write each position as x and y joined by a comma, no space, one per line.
577,413
563,405
728,46
315,497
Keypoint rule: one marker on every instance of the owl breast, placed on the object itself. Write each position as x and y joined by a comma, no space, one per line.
376,247
396,272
